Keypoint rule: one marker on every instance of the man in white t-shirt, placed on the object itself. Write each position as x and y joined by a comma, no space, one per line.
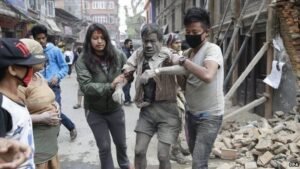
69,57
204,72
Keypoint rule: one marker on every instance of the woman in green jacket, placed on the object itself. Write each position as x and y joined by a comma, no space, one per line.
98,73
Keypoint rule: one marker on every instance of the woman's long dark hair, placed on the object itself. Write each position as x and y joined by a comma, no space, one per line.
90,58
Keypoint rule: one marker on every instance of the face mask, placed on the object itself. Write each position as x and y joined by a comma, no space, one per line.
130,46
27,78
194,40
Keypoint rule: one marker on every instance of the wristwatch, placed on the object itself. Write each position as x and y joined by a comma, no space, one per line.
182,60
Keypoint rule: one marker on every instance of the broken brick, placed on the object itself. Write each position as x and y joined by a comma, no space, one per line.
229,154
226,166
264,144
217,152
298,144
256,153
293,147
227,142
279,113
265,158
276,145
251,165
219,145
281,149
279,156
278,128
275,163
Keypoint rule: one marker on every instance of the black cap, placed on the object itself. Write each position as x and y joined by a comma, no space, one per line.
15,52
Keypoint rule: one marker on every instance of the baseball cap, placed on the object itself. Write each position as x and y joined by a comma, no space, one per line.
24,52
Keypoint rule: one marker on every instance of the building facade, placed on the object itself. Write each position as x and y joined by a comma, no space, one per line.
106,13
17,17
169,13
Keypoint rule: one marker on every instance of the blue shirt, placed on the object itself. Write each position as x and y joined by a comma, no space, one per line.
56,65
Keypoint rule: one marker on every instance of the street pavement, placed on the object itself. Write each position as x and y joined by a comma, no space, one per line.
83,152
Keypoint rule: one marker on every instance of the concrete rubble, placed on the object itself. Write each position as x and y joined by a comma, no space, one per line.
267,143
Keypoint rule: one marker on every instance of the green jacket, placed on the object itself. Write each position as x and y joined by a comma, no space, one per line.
97,86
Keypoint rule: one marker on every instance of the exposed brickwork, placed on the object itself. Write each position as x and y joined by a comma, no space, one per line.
289,14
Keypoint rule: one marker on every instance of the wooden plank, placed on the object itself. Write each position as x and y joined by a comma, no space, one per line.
270,27
247,107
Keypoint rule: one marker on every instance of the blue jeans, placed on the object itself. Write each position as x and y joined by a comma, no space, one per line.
126,90
64,119
202,131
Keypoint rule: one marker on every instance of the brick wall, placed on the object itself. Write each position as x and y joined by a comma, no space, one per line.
289,15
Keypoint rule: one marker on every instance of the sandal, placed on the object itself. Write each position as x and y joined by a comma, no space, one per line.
77,106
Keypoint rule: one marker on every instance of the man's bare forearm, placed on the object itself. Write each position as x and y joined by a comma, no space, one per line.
172,70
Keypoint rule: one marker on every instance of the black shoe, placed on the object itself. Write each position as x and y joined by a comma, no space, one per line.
77,106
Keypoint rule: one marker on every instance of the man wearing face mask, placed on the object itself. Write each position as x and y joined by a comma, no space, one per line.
156,97
16,69
128,50
203,68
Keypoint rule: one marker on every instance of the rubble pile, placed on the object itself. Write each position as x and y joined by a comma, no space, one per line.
272,143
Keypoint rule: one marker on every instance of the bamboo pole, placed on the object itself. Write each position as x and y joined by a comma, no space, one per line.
245,42
252,64
213,11
226,32
247,107
235,31
269,35
236,10
222,22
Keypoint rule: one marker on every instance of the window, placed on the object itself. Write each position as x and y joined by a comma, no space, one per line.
96,19
111,19
111,5
100,19
99,4
86,5
103,19
32,4
50,9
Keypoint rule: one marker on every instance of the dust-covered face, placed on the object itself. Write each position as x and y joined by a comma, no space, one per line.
151,45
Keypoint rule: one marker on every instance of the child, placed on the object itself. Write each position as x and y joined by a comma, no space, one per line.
16,69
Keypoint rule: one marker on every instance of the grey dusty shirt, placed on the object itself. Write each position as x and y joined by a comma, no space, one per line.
206,97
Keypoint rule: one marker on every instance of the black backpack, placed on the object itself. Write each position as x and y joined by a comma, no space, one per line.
67,59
